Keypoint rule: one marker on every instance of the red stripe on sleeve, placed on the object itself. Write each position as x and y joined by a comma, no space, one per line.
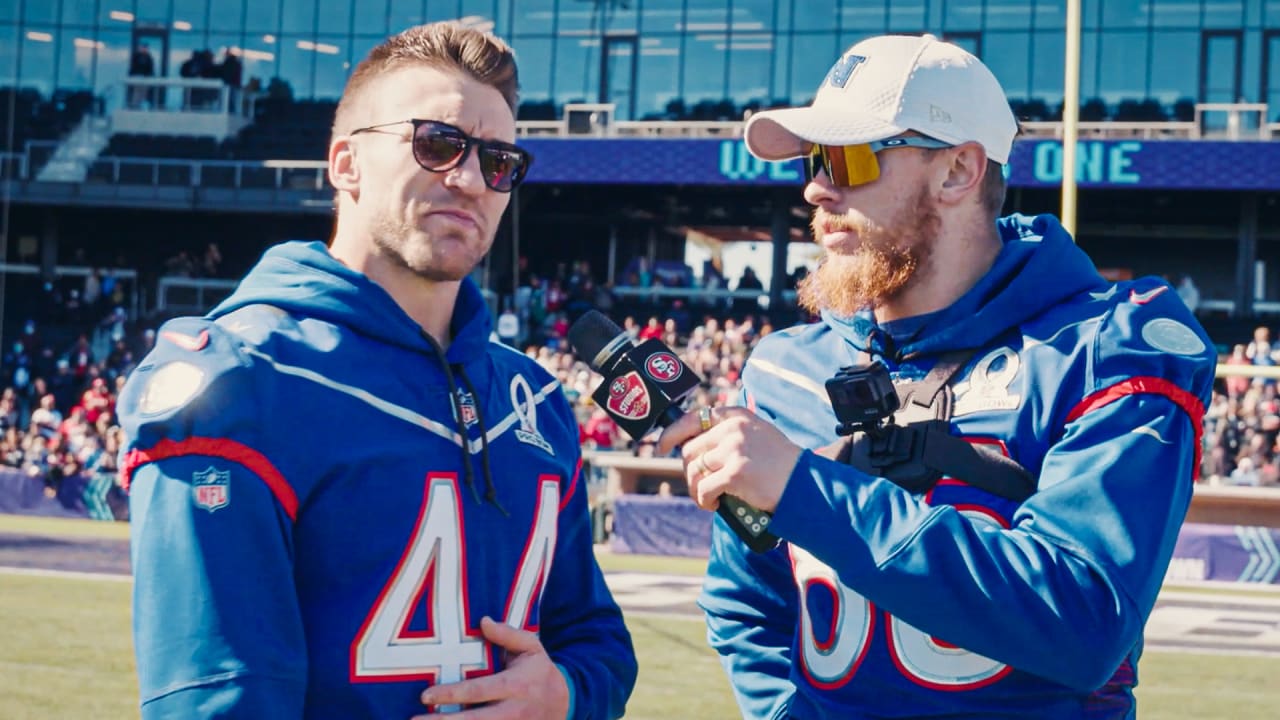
573,485
1148,386
254,461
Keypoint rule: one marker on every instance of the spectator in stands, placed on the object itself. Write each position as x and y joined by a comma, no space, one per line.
11,454
652,329
141,64
46,419
1237,385
1189,293
231,71
748,281
601,431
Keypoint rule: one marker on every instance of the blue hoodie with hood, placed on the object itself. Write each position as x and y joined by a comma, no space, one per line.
325,503
958,603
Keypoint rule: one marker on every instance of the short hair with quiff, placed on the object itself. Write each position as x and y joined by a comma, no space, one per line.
442,45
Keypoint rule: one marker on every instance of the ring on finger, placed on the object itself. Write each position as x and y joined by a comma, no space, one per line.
702,467
704,418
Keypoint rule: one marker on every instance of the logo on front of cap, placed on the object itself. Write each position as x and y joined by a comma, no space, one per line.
840,73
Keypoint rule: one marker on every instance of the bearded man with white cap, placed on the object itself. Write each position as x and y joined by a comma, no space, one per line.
986,537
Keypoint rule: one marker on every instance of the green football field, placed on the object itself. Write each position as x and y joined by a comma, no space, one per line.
65,652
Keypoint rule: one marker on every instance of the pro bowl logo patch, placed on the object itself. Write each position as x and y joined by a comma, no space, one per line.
211,488
663,367
628,397
525,406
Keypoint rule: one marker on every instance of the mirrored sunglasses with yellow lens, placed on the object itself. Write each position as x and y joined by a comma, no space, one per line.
853,165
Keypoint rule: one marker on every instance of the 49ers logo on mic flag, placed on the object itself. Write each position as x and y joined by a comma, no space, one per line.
663,367
628,397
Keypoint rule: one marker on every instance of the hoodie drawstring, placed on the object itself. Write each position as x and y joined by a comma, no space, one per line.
459,424
490,491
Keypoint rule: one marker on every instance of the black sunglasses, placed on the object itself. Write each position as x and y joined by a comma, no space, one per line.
440,147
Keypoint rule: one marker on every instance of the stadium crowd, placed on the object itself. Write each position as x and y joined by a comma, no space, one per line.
58,397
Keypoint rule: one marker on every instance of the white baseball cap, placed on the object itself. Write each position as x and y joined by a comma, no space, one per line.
887,85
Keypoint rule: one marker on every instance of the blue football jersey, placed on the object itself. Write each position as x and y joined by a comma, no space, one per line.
320,521
958,603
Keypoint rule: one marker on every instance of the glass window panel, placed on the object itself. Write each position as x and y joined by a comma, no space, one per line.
1224,14
704,65
706,16
533,17
483,13
1175,67
1119,14
77,51
1007,14
196,12
8,12
907,16
849,39
781,70
969,41
620,64
442,10
1271,14
750,61
336,18
503,28
260,60
296,63
43,11
228,15
752,15
1088,65
1123,63
1008,56
153,11
1050,14
263,16
819,14
1089,14
577,71
1048,67
658,75
1221,76
863,19
782,10
362,45
963,15
1175,14
298,16
333,63
76,13
112,62
8,55
37,57
1271,76
369,17
533,57
812,55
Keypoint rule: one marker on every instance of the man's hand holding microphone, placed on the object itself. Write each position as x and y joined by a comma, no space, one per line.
735,463
731,451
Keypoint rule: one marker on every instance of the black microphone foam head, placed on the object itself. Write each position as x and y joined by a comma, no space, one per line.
591,334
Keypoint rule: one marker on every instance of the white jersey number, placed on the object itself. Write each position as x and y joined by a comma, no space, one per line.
433,570
831,658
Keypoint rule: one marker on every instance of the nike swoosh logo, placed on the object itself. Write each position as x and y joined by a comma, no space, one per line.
186,342
1138,298
1144,430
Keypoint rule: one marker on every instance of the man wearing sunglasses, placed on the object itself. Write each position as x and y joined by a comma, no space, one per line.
346,501
920,575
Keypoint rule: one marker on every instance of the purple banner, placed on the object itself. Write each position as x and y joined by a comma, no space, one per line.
654,525
1147,164
1227,553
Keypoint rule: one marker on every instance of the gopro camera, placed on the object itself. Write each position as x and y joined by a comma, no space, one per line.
862,396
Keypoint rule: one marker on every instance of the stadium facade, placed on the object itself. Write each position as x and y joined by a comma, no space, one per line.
633,108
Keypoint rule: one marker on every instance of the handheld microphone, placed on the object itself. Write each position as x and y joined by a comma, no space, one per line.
645,387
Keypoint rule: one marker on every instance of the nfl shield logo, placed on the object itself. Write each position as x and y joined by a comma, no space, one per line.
211,488
467,408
